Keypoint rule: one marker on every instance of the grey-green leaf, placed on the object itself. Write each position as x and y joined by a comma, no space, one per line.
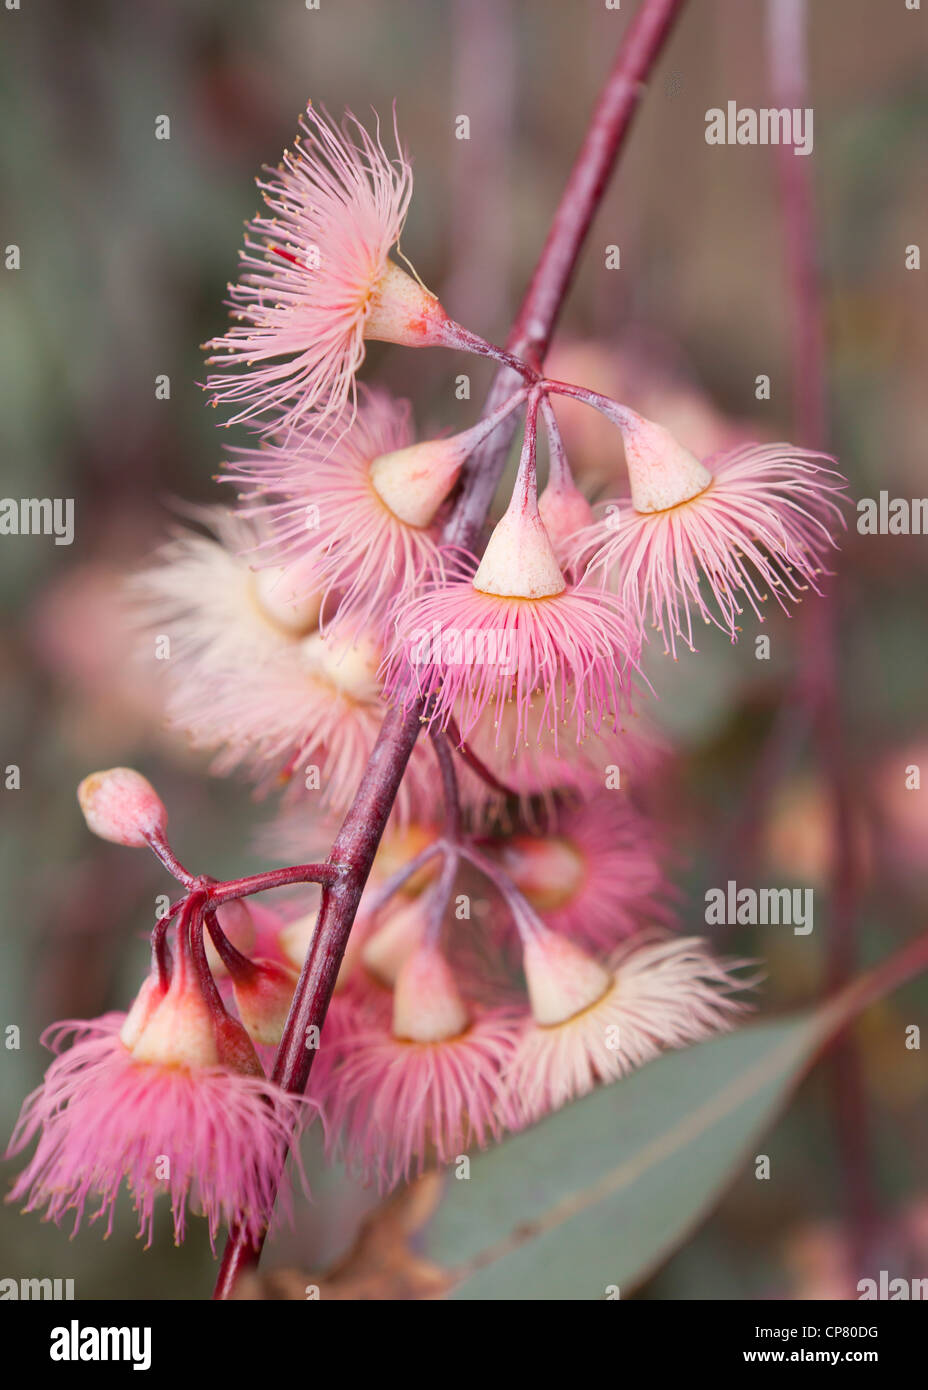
596,1196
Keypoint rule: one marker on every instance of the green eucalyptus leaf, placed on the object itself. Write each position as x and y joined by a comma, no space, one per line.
593,1198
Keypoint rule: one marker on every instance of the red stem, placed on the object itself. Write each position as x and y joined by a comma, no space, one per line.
356,843
476,764
525,492
272,878
820,676
789,82
560,478
378,897
162,850
238,966
527,921
449,785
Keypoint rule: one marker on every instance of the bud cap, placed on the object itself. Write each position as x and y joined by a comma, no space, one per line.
413,482
662,474
565,512
350,667
263,996
519,561
387,950
427,1004
283,601
562,979
400,310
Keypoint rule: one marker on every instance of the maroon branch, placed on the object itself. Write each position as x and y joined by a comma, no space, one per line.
819,685
356,843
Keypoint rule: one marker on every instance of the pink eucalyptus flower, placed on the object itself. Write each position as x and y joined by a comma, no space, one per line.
596,1023
595,874
221,615
423,1089
251,679
185,1120
330,523
754,521
518,633
564,659
318,281
308,720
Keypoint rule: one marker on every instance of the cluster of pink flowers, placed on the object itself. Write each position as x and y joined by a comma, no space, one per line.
294,618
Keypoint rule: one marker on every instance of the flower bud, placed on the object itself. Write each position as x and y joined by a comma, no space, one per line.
400,310
122,806
562,979
427,1004
294,938
661,473
263,994
236,1050
413,482
282,600
387,950
143,1006
350,666
519,561
565,512
547,869
181,1031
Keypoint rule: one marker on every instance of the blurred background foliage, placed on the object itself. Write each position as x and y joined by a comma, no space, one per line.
127,243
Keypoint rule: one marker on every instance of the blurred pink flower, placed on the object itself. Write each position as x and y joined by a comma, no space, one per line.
333,532
596,1023
212,1137
542,762
251,677
422,1089
594,874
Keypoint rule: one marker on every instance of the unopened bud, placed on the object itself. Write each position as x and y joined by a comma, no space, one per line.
122,806
294,938
181,1031
387,950
565,512
143,1006
547,869
236,1050
351,666
281,598
413,482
